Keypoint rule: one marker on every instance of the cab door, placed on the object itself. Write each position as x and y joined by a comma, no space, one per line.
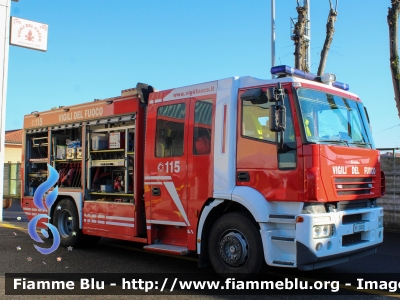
166,175
261,164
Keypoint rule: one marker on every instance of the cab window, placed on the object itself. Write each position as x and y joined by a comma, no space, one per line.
255,121
202,127
170,130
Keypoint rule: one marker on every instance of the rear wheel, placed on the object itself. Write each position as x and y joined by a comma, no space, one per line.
235,245
66,219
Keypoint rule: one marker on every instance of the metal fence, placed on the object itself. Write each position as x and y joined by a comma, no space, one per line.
390,164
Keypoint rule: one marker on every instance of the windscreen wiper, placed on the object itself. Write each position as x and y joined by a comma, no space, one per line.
335,141
361,143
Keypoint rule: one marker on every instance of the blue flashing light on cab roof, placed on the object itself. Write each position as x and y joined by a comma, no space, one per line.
340,85
286,70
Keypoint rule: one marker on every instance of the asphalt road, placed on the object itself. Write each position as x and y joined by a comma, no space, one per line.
18,255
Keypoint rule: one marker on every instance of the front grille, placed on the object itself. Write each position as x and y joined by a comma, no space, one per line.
352,179
355,204
351,218
355,192
353,186
351,239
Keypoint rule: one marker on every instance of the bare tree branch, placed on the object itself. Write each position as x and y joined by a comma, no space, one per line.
301,44
330,29
392,19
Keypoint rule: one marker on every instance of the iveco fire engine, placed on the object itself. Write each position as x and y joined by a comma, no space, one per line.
240,171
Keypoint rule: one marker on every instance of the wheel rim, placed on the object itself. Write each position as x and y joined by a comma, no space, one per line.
233,248
64,224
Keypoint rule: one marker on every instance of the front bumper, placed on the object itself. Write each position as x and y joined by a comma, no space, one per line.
347,242
289,242
307,260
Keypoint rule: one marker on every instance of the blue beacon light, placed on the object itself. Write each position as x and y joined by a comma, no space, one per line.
286,70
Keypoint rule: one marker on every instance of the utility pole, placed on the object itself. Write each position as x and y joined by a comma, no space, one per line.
309,36
4,46
272,35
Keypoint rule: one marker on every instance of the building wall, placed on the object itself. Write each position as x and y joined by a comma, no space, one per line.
391,201
12,153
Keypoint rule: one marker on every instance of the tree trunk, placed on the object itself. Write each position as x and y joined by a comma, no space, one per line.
392,19
301,44
330,29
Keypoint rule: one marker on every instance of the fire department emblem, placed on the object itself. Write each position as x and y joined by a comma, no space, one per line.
160,167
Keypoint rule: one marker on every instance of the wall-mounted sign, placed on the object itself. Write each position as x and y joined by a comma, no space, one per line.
28,34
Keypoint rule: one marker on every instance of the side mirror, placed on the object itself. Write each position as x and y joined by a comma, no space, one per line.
277,112
270,94
257,96
277,118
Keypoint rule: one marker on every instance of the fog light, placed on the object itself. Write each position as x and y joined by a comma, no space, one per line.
329,245
318,246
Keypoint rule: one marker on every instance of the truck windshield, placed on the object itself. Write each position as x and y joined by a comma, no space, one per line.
329,118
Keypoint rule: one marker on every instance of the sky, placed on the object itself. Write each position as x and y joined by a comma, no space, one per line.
97,48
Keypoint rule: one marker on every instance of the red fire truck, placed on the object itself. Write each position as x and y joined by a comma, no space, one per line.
239,170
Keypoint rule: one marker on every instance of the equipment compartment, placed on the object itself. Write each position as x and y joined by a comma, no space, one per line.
111,168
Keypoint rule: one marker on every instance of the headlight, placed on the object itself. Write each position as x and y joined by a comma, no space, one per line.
380,222
322,231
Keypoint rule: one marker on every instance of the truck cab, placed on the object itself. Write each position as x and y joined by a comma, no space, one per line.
307,167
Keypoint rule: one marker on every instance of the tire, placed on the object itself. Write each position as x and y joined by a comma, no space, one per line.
68,228
235,246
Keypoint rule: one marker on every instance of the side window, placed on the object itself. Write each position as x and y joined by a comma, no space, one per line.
255,121
202,127
170,130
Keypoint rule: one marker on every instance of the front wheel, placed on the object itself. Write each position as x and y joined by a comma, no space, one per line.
235,246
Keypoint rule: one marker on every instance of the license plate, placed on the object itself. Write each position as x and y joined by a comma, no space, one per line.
359,227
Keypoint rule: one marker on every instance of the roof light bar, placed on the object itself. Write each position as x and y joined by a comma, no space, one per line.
286,70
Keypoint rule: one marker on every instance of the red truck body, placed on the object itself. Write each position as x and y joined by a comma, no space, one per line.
198,169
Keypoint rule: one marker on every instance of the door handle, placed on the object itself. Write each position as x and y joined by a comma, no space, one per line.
155,191
243,176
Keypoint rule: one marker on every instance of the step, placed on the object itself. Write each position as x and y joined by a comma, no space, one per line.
283,263
165,248
282,216
283,238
